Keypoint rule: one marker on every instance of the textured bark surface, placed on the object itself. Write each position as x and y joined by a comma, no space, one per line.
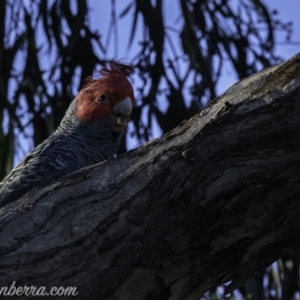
213,201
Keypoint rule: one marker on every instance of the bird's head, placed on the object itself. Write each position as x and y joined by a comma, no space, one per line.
109,96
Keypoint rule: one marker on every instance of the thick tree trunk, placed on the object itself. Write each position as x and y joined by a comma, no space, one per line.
215,200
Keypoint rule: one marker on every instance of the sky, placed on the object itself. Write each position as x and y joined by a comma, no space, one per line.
288,11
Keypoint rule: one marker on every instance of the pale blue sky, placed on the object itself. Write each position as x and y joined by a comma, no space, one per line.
100,19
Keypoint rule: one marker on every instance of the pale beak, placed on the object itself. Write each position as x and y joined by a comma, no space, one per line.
122,111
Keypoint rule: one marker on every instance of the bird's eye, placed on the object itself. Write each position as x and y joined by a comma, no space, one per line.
102,98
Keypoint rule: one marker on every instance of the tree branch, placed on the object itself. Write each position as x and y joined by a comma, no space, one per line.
215,200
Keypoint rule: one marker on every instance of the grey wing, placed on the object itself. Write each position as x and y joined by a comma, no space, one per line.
48,162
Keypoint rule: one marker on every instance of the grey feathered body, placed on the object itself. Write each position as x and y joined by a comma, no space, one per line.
72,146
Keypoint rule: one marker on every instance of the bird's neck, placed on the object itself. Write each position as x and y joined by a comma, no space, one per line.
94,131
96,138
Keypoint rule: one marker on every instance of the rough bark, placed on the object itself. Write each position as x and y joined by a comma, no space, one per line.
215,200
